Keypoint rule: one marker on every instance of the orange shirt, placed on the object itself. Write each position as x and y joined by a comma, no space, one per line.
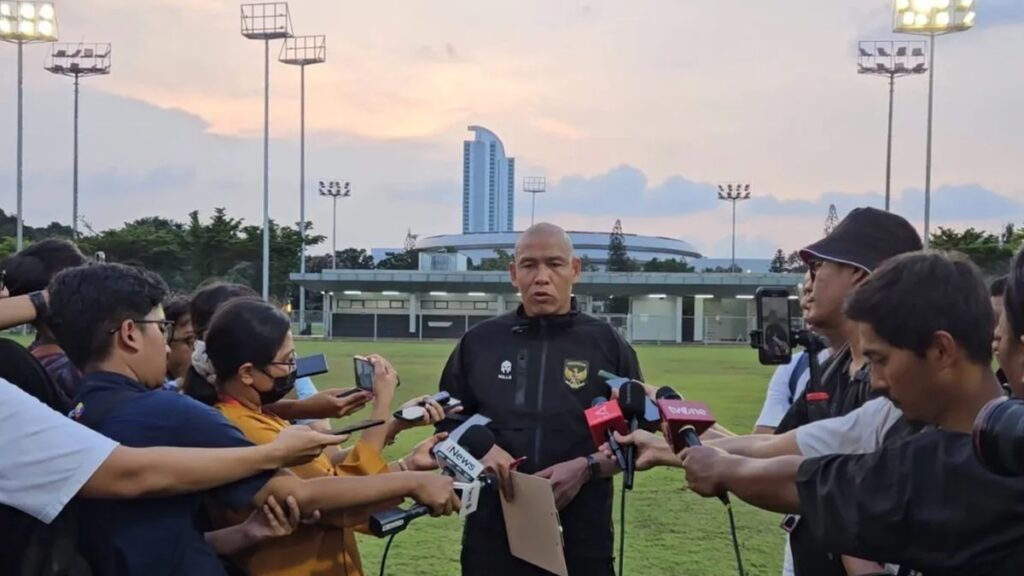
312,549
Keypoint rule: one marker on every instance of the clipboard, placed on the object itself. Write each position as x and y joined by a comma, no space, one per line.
531,520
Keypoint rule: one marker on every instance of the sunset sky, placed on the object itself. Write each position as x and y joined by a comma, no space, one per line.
632,110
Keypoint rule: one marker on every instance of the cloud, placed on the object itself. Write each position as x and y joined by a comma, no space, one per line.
447,53
625,191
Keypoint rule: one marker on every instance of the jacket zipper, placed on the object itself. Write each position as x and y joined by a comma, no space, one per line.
539,434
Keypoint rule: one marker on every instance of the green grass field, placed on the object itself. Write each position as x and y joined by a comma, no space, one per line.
669,530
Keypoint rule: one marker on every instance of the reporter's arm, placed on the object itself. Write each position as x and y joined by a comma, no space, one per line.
15,311
759,445
338,493
768,484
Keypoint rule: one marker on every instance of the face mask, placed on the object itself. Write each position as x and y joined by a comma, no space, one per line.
282,386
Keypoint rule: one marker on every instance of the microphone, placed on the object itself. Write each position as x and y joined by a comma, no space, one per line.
460,460
667,393
632,402
603,418
417,412
686,421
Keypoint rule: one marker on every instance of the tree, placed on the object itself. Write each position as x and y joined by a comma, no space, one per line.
154,243
408,260
795,264
587,265
618,257
670,265
983,248
348,259
724,270
778,262
501,261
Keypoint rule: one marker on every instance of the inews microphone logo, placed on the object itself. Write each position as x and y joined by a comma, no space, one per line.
462,460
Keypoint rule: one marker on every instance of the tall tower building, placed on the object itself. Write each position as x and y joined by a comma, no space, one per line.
488,184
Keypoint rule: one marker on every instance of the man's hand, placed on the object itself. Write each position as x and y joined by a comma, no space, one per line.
703,466
422,458
436,492
651,450
501,463
327,404
433,413
299,444
566,479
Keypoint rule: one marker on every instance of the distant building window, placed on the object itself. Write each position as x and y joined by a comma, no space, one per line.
398,304
480,305
344,304
357,303
440,305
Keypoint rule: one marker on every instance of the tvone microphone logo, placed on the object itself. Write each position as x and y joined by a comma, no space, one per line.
686,411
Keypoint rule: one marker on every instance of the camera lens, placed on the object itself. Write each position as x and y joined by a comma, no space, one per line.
999,437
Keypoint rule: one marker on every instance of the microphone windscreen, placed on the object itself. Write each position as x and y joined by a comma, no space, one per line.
632,400
477,440
667,393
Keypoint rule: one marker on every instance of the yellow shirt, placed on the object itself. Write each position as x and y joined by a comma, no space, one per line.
311,550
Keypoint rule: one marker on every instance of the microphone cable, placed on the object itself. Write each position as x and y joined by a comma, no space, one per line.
622,526
387,548
732,531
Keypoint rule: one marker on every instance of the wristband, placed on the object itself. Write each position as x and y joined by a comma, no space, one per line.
593,466
39,303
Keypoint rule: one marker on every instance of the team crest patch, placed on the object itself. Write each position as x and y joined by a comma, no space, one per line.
575,372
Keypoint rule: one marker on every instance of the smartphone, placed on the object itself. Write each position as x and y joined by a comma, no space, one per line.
310,366
357,426
774,322
348,392
364,373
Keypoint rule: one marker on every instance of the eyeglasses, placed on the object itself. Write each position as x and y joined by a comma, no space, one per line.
3,280
165,326
813,266
188,340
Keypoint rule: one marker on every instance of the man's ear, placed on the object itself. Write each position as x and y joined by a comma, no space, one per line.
577,268
129,335
512,272
945,348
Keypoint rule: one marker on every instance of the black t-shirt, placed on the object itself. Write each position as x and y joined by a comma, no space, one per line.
837,394
923,502
534,377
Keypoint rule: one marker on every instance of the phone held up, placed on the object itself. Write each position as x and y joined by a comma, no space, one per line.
774,335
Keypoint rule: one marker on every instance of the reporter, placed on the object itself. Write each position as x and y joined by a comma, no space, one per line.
250,359
925,502
109,320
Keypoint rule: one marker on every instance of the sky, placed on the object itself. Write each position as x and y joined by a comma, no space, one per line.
632,110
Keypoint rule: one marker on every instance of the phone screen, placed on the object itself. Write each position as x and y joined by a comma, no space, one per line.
364,373
775,324
311,366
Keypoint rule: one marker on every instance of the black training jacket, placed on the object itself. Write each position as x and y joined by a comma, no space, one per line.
534,377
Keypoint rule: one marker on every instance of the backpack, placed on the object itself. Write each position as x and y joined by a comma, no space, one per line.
30,547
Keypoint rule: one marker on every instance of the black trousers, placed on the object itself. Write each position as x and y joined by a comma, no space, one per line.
479,562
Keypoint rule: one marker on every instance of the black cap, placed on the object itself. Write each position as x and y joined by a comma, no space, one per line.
864,239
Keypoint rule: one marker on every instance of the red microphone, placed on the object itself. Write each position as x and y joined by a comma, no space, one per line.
686,421
603,418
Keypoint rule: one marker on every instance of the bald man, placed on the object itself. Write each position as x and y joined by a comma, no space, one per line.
533,372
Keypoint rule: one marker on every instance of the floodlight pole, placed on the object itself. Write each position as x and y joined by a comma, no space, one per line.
302,195
734,193
74,180
266,168
928,153
21,129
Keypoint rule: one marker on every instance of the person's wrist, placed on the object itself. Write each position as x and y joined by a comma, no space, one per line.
271,456
250,531
589,466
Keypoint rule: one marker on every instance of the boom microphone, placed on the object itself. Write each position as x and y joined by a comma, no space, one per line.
632,401
460,460
603,418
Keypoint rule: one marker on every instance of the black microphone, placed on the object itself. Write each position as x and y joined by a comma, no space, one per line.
667,393
633,402
459,460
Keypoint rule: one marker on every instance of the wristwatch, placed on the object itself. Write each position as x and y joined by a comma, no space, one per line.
593,466
39,303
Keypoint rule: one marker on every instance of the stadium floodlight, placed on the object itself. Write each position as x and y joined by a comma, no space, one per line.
335,189
21,23
931,18
733,193
302,51
891,60
76,61
534,185
266,21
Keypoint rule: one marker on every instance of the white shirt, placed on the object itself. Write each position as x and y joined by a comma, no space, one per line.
859,432
45,457
776,401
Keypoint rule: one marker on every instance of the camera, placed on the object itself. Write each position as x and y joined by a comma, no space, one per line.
999,437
